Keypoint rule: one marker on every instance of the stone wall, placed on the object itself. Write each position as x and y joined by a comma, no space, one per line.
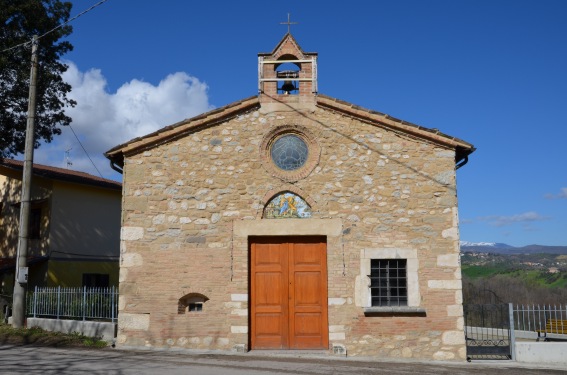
187,204
103,330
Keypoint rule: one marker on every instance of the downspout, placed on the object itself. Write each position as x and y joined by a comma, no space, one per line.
115,167
462,163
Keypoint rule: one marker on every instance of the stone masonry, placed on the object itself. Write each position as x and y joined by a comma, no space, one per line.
194,193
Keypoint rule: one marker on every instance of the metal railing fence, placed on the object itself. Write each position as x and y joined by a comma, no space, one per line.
75,303
536,318
489,331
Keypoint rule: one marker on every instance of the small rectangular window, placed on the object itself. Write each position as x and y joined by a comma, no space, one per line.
388,282
197,306
35,223
96,280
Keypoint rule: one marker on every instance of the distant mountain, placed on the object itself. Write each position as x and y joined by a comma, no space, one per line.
486,244
502,248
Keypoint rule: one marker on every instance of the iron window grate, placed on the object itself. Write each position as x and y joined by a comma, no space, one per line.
388,282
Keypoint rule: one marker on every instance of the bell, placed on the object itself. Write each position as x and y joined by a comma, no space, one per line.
288,87
288,84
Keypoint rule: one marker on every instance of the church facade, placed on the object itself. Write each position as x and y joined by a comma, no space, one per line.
292,220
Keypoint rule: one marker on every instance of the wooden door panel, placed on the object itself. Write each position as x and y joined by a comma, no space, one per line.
269,329
308,296
270,255
307,254
307,288
307,324
289,293
269,291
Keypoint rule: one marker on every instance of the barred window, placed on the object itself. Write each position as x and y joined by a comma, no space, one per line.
388,282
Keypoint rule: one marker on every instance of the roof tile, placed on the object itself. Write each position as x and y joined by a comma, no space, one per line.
62,174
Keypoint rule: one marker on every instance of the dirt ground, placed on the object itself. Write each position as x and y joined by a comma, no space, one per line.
34,337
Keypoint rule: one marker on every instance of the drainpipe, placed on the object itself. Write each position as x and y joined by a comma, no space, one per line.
115,167
462,163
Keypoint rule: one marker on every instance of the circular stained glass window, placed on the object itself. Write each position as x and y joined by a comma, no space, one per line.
289,152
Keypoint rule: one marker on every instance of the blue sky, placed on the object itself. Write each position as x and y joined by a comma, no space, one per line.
493,73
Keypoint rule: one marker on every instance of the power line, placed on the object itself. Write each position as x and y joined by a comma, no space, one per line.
83,147
26,44
49,32
55,28
74,18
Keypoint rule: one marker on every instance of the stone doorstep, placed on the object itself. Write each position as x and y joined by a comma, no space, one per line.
295,353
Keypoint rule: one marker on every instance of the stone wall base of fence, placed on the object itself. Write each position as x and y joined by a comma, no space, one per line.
105,330
541,352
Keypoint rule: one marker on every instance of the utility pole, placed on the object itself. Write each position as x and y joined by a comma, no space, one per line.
18,308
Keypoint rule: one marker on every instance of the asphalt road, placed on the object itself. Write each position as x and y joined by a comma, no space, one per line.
42,360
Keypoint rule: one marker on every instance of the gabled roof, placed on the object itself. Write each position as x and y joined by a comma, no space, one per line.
463,149
60,174
284,39
180,129
116,154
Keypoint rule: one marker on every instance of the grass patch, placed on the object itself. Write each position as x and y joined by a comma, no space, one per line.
543,278
38,336
480,271
540,278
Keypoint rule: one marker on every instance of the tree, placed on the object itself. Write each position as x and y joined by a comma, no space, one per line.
20,20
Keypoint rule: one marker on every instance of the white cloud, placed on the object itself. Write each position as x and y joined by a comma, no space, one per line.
561,195
103,120
526,217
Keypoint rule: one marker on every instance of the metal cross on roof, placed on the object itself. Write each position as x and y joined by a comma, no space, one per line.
288,23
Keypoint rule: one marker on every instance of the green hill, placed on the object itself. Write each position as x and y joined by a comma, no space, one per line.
517,278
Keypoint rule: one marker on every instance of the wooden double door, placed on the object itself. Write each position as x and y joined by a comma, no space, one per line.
288,299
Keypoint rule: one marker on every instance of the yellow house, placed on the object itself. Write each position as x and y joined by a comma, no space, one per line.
74,227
